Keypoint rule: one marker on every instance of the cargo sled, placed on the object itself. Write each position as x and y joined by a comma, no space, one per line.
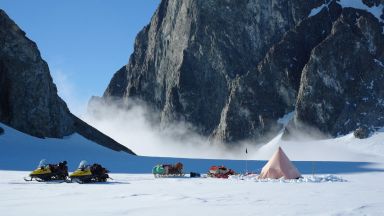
49,172
220,172
168,170
89,173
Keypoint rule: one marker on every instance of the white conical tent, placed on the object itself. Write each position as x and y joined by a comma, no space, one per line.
279,166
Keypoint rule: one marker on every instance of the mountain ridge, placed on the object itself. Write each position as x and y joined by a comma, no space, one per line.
232,69
28,96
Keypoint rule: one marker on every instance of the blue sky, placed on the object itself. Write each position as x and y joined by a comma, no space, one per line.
84,41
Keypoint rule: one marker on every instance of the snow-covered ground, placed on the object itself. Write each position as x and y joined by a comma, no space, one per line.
19,151
345,148
142,194
347,181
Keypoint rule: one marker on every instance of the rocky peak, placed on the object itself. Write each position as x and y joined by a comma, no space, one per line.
233,68
340,88
28,96
185,60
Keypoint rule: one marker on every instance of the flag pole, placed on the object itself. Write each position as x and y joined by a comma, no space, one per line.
246,161
313,168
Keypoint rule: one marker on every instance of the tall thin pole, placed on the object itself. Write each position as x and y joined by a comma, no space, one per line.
313,168
246,161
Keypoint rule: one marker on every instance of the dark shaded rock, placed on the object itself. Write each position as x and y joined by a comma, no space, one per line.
117,83
185,60
1,131
261,97
361,133
371,3
28,96
340,85
233,68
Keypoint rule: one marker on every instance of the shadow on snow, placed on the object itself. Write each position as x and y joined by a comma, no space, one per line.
124,163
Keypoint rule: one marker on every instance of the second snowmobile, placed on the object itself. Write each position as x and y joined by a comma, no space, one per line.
89,174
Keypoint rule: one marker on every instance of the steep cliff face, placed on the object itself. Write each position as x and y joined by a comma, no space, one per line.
29,100
28,96
268,92
341,85
262,96
185,60
233,68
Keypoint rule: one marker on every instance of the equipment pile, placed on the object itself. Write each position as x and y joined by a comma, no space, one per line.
220,172
168,170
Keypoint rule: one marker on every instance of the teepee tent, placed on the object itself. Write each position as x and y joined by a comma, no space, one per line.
279,166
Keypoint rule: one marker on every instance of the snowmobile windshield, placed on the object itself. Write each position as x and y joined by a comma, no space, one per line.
43,163
83,164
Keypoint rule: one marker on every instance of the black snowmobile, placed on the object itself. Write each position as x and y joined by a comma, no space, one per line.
49,172
89,174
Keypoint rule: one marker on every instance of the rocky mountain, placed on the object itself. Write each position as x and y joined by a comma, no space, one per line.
28,96
233,68
341,85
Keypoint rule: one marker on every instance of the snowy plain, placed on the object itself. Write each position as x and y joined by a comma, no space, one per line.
342,176
141,194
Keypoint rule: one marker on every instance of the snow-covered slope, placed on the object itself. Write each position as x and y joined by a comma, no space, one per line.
345,148
19,151
357,4
22,151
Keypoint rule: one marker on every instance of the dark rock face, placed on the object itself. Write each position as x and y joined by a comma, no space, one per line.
1,131
371,3
262,96
341,83
233,68
361,133
185,60
28,96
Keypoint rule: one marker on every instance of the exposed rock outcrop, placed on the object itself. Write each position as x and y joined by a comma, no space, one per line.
361,133
341,83
233,68
264,95
28,96
185,60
